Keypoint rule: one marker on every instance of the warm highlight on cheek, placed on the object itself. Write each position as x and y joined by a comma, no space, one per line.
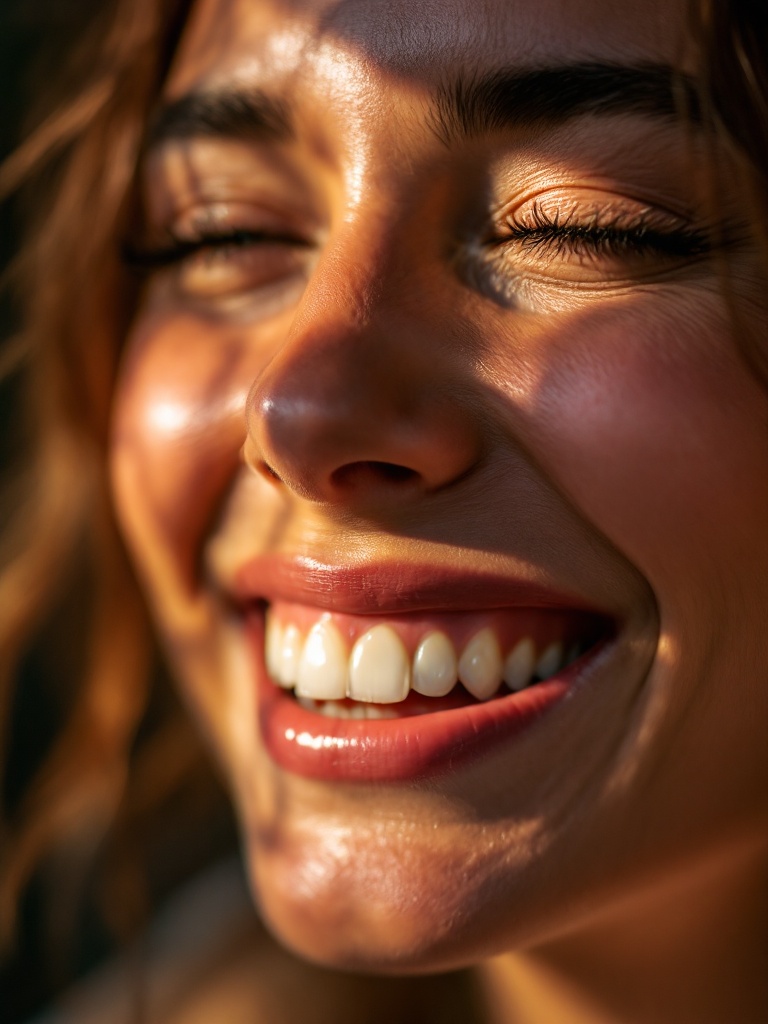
178,429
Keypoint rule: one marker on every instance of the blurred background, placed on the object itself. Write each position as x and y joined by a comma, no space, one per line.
194,826
30,33
22,30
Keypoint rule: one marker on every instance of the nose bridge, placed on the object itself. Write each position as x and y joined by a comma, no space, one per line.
350,281
350,324
368,267
349,407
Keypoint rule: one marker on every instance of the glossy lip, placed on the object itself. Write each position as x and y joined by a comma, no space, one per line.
390,587
400,749
409,747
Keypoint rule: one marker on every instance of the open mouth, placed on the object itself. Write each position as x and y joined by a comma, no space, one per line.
354,667
344,700
389,672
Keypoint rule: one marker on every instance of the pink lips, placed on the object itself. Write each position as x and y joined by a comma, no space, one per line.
414,744
390,587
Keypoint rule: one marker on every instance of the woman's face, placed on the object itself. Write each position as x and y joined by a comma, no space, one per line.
433,362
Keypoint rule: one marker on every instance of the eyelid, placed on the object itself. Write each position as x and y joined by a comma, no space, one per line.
585,204
204,170
222,217
213,220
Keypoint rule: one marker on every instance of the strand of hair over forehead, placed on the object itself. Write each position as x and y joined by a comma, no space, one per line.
124,35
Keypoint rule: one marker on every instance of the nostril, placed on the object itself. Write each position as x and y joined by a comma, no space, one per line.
366,472
266,470
391,471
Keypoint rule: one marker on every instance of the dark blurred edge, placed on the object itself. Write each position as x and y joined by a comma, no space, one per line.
30,32
33,36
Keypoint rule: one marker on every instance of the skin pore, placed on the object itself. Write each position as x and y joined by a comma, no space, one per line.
387,321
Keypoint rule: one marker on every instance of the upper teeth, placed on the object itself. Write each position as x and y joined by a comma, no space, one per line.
378,669
322,671
434,666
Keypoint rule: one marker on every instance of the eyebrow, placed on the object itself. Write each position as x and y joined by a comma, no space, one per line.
555,94
502,99
250,114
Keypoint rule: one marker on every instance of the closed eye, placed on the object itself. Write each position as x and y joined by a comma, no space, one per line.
214,242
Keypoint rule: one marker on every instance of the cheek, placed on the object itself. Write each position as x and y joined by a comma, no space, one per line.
177,432
656,431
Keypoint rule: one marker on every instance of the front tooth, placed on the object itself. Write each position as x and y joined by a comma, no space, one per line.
290,653
480,665
550,661
273,645
378,667
518,668
322,670
434,666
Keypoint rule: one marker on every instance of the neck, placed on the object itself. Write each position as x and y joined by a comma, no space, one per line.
687,950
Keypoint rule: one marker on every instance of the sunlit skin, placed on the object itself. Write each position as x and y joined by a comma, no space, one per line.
577,418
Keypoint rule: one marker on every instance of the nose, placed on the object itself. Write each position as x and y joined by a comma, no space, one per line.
364,402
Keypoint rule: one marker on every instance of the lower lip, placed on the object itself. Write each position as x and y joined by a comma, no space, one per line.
394,749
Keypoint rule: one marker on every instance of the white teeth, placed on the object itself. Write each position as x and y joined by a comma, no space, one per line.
379,671
518,668
273,643
550,661
480,665
308,703
322,671
434,666
354,712
290,654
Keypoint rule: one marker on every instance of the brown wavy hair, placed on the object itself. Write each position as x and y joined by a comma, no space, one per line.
78,166
60,545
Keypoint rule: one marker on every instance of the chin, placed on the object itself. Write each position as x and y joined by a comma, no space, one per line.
397,881
372,916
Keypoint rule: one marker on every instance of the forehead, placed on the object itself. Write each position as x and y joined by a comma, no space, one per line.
416,42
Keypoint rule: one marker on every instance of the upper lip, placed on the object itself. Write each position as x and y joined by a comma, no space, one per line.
369,588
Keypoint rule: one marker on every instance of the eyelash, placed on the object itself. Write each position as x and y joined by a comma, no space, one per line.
553,235
213,242
541,234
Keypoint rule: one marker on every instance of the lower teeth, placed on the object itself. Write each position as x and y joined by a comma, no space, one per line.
350,710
